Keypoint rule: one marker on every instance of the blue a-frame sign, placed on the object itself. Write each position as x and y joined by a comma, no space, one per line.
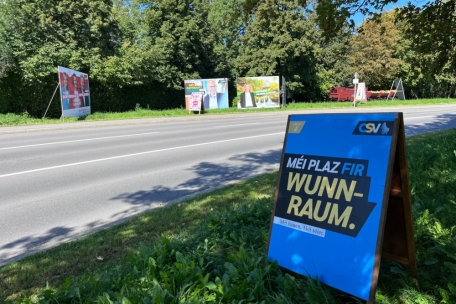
337,174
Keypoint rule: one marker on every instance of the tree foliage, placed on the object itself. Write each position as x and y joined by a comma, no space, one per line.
432,52
333,65
373,53
280,40
430,61
42,34
140,51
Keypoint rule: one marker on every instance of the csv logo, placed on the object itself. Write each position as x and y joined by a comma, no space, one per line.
374,128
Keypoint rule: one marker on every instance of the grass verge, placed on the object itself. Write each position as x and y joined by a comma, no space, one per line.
25,119
211,249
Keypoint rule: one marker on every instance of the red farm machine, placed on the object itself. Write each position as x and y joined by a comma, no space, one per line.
346,94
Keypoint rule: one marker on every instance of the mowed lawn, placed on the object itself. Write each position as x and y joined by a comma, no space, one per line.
25,119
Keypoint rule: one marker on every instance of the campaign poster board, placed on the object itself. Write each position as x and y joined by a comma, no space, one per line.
195,102
399,94
361,91
74,92
214,92
337,174
258,92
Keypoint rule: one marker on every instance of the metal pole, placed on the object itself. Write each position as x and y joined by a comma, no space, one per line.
51,100
402,86
355,82
392,85
354,96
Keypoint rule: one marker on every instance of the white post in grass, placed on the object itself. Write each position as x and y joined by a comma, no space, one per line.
355,82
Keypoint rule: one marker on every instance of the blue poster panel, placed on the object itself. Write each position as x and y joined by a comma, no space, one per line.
331,198
214,92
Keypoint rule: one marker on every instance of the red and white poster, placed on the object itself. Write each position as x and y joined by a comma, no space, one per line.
195,102
74,92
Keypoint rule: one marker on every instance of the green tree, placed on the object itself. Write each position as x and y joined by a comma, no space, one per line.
333,68
280,40
44,31
431,62
373,54
183,36
134,51
227,27
431,31
42,34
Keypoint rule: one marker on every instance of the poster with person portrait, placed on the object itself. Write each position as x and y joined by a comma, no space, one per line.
74,92
258,92
214,92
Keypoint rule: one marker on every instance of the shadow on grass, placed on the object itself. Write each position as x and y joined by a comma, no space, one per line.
56,234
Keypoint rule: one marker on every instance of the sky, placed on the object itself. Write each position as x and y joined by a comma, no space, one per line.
358,18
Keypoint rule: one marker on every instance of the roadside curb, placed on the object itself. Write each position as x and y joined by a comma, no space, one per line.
134,121
144,121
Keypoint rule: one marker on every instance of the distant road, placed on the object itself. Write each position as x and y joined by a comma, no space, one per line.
59,182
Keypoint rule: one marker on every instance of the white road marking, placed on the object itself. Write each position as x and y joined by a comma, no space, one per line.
136,154
420,117
77,140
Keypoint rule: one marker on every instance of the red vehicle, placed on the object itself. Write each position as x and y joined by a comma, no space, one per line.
341,94
380,94
346,94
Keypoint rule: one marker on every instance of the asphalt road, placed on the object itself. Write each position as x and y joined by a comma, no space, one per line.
59,182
